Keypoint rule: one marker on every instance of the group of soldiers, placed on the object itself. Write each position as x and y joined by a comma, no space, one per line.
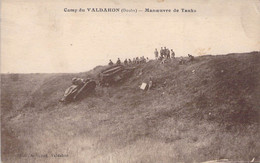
165,53
136,60
163,56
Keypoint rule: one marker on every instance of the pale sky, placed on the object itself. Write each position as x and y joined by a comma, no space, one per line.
38,36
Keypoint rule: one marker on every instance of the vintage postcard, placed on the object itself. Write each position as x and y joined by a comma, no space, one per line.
130,81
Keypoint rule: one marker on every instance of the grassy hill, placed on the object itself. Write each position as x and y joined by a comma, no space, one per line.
202,110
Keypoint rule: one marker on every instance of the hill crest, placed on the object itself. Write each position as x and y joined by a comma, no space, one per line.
218,92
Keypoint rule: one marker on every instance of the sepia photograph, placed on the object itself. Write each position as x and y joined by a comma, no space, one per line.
119,81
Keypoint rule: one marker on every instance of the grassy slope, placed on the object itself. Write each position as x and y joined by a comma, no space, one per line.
210,113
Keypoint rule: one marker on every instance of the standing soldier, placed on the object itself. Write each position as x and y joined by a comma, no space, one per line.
137,60
110,63
168,53
118,62
143,59
129,61
134,61
125,62
165,52
172,54
150,84
156,54
161,52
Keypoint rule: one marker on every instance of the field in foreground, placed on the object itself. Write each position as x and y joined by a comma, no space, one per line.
203,110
